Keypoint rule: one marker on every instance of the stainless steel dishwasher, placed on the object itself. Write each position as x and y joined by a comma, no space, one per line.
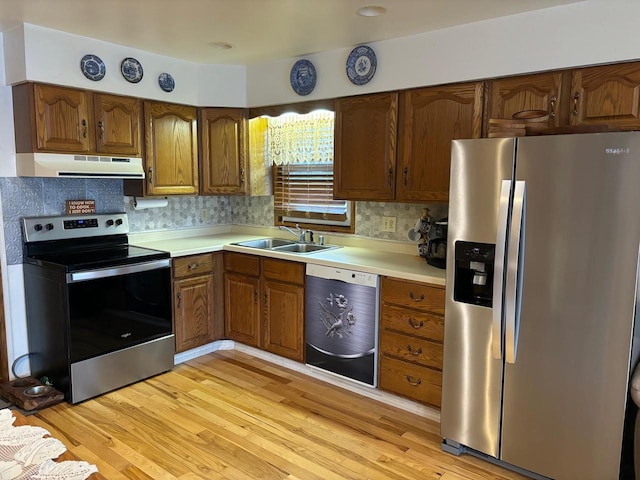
341,322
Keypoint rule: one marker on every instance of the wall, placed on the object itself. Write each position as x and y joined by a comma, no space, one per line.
51,56
578,34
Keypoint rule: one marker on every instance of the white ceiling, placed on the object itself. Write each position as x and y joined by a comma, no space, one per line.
260,30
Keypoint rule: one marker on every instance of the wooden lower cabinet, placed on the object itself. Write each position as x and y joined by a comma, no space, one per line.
242,298
264,303
411,339
283,324
196,301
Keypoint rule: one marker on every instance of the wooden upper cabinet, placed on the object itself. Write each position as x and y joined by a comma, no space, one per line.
68,120
606,95
224,151
365,147
542,91
430,119
171,153
62,118
117,122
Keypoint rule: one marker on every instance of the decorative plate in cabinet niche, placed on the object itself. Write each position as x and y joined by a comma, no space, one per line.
361,65
303,77
131,70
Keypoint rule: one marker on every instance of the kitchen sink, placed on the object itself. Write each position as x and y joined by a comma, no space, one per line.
288,246
266,243
304,248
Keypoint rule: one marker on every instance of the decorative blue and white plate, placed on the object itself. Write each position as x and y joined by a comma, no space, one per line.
93,67
166,82
131,70
303,77
361,65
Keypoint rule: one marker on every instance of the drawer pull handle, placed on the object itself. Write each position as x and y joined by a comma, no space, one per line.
415,325
193,266
576,97
413,382
414,352
416,299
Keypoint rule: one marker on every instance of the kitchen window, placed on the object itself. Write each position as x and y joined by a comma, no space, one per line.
300,150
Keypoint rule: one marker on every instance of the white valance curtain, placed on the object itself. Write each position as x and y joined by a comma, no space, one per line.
294,139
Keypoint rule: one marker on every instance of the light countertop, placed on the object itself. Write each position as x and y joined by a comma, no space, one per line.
364,259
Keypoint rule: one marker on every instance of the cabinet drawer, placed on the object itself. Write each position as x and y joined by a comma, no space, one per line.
415,295
282,270
241,263
411,349
413,381
412,322
192,265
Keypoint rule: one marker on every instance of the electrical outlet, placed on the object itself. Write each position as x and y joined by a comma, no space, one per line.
388,224
204,215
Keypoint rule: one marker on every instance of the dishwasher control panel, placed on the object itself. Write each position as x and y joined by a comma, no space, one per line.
344,275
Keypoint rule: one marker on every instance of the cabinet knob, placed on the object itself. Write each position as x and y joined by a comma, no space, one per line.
150,179
100,129
390,175
406,171
179,296
84,128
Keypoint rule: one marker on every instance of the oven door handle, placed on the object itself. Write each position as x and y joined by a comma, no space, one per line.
116,271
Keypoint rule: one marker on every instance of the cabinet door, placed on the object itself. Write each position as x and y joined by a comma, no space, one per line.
431,118
171,153
117,122
365,147
283,332
242,308
607,95
62,117
543,91
224,147
193,312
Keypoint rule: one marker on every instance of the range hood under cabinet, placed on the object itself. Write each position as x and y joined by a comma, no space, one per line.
68,132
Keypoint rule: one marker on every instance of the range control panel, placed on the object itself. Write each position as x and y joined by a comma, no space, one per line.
37,229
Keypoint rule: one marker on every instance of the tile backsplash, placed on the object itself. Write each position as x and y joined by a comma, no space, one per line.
26,197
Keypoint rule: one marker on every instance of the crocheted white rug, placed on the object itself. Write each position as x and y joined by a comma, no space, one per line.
26,454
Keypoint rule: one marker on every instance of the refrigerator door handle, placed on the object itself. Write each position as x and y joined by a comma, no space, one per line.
515,265
498,270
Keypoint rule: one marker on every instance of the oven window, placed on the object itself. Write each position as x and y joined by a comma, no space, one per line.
108,314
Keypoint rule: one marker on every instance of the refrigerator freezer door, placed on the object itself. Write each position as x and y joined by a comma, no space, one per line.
472,377
565,394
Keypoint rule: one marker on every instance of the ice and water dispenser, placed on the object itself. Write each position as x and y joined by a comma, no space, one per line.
473,278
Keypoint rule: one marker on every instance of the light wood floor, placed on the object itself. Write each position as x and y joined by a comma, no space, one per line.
228,415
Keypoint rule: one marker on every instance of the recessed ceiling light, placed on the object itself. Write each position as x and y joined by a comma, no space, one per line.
371,11
221,45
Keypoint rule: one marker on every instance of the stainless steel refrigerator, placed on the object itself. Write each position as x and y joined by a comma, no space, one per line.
542,271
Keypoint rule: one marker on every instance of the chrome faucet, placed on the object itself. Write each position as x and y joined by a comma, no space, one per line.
301,233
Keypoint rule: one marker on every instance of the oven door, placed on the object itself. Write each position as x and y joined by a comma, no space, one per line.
115,308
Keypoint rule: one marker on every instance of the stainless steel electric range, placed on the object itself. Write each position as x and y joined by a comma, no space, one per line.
98,309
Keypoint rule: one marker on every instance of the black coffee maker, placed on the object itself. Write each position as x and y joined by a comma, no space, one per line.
437,244
432,245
